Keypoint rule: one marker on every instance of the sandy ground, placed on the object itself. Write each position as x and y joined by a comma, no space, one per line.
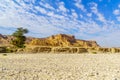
60,67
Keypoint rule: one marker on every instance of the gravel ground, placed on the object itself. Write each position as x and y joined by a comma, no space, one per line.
60,67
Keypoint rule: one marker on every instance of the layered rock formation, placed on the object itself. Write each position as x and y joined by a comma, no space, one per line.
63,40
55,44
47,49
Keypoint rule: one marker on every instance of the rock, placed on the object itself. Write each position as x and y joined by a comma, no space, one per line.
48,49
61,49
103,50
82,50
63,40
115,50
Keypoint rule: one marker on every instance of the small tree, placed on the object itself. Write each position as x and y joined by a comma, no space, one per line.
19,39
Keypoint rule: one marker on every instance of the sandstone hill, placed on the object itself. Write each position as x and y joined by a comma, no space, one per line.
55,43
63,40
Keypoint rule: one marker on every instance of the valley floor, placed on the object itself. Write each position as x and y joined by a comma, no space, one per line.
60,67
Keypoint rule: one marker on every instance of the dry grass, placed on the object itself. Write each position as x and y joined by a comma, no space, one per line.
60,67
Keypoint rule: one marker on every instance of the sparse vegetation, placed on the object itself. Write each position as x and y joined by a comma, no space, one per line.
94,52
19,40
2,49
4,54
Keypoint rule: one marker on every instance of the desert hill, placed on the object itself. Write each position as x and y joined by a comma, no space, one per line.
54,43
63,40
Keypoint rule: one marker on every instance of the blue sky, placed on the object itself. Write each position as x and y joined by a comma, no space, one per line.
86,19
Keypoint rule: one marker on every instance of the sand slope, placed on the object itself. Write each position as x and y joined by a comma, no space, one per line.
60,67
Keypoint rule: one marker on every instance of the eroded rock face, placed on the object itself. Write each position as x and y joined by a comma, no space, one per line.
63,40
115,50
47,49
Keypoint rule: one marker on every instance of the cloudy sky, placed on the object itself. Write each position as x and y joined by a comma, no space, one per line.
86,19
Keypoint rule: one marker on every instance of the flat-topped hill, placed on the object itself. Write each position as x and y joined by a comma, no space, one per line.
63,40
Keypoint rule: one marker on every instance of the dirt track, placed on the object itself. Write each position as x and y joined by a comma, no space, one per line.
60,67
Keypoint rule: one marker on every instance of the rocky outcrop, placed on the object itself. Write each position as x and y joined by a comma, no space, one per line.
63,40
47,49
86,44
115,50
60,40
55,40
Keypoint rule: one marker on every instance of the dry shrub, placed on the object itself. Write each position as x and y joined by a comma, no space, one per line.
2,49
4,54
94,52
82,50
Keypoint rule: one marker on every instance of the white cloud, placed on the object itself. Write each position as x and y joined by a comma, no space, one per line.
52,22
80,5
46,5
116,12
95,11
74,14
109,39
62,7
101,18
41,10
118,18
90,27
52,14
81,16
89,14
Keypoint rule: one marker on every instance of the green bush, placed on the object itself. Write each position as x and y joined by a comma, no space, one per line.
19,39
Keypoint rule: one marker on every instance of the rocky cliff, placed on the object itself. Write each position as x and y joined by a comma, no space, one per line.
63,40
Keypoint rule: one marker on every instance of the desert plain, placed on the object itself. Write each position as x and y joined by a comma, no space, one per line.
59,66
